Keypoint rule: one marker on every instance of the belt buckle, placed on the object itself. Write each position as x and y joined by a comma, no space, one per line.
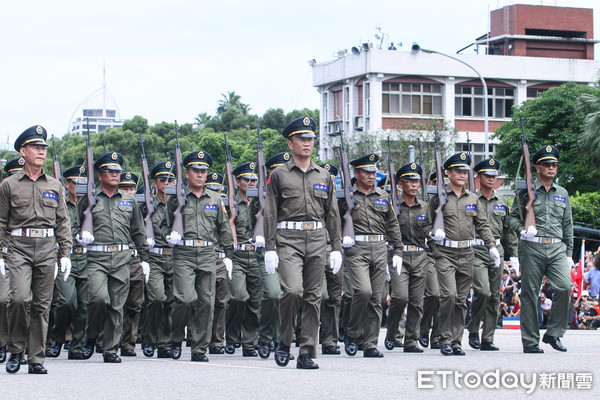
198,243
250,247
411,247
112,248
372,238
132,252
546,240
328,248
168,252
78,250
463,243
307,225
35,233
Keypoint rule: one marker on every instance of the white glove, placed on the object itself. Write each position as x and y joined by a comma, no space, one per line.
151,242
146,270
335,261
529,233
439,235
397,263
2,268
271,261
65,267
260,241
571,262
174,238
347,241
495,255
85,239
55,270
514,263
228,266
388,277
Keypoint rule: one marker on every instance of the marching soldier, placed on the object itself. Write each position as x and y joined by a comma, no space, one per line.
135,297
546,249
374,223
300,203
72,293
487,275
159,288
205,223
245,285
117,222
453,252
33,219
409,286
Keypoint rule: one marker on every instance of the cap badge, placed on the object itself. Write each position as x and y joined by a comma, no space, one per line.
327,167
214,176
492,162
371,157
200,154
252,165
113,156
39,130
168,164
413,166
128,175
286,156
82,170
21,161
306,121
463,156
548,149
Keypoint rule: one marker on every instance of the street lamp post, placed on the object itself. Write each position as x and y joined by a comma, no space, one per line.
416,48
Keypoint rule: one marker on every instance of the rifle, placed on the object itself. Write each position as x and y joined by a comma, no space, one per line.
394,188
148,199
423,174
438,223
55,164
230,190
88,223
259,227
529,214
179,187
348,230
471,177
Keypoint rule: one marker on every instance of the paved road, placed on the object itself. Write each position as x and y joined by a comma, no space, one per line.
340,377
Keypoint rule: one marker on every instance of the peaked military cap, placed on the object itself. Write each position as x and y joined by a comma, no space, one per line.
278,159
198,159
33,135
433,177
333,170
384,184
245,170
128,179
546,154
162,169
214,181
366,162
112,161
409,171
141,189
487,167
77,174
458,161
302,127
14,166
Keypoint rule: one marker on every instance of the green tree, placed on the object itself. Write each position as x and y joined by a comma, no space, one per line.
589,141
586,209
274,118
232,100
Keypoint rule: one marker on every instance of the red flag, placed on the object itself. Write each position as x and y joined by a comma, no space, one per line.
578,277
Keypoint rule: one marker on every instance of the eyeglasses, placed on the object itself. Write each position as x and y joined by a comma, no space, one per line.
111,172
549,165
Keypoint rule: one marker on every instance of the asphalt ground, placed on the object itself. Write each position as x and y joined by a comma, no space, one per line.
551,375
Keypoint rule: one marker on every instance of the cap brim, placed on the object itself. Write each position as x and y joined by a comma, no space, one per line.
113,167
368,169
305,135
490,173
197,166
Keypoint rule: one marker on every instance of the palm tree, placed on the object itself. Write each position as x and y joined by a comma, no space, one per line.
202,119
589,141
232,100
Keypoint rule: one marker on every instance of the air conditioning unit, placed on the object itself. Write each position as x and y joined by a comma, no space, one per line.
358,123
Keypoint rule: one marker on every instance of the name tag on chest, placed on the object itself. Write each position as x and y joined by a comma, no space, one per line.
500,208
420,218
560,198
50,195
379,202
318,186
125,203
471,207
211,207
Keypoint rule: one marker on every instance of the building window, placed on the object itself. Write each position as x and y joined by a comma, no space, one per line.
337,105
469,101
412,99
368,98
477,150
534,93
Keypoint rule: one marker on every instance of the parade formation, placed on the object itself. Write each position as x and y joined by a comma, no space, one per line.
271,255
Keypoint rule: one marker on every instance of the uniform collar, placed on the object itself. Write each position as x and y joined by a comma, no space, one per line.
291,164
480,194
539,184
21,174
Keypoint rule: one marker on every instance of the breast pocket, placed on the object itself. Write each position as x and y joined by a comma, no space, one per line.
320,194
49,208
20,207
500,213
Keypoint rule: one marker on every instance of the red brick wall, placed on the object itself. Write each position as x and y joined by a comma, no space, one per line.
476,125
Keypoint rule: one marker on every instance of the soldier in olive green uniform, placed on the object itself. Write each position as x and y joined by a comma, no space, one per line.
117,221
215,182
375,223
33,220
463,216
546,249
72,294
245,285
159,288
409,286
205,223
300,203
487,276
11,168
135,297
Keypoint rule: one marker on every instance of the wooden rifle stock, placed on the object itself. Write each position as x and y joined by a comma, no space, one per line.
423,174
55,164
88,223
148,199
180,188
259,226
438,223
348,230
529,214
230,190
393,184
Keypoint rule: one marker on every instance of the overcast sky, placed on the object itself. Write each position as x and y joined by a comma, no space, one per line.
168,60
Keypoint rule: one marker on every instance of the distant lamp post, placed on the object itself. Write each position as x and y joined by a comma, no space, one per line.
416,49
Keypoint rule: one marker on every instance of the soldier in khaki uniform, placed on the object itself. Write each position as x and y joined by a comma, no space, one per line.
205,223
375,223
135,297
546,249
117,221
159,288
33,219
463,216
11,168
487,276
409,286
300,204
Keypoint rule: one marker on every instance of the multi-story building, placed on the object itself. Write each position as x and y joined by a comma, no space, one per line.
529,49
99,119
